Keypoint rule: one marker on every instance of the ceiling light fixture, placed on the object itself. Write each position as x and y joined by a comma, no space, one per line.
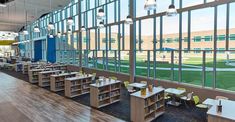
25,32
3,5
50,26
101,14
129,20
83,28
171,11
150,5
70,21
36,29
69,31
59,34
51,36
101,25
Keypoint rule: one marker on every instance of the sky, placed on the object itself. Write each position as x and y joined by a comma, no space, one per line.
202,19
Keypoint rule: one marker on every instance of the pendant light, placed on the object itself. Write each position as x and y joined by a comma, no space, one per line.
59,34
36,28
129,20
3,4
50,26
25,32
101,25
150,5
171,10
101,14
70,21
69,31
51,36
83,29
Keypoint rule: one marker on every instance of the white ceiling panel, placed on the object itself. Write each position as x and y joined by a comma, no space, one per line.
12,17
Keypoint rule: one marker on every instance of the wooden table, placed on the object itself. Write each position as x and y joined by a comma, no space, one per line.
57,80
227,114
79,85
174,92
106,92
145,108
137,85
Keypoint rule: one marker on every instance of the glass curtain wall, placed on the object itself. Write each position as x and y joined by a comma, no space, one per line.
196,46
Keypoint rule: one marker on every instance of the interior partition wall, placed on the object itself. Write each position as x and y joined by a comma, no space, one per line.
195,47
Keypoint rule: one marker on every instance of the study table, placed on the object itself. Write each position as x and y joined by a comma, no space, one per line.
137,85
227,114
174,92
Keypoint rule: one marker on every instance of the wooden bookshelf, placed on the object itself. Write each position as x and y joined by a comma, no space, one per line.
105,93
25,68
44,77
33,75
32,66
145,108
57,80
57,67
78,85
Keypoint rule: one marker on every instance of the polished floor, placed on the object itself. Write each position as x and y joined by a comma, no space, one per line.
122,109
23,102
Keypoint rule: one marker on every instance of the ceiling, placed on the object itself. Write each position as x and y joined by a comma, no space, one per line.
12,17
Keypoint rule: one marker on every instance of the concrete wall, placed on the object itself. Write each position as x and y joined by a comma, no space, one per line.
203,93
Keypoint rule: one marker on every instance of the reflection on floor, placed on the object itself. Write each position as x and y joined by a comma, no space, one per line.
23,102
122,109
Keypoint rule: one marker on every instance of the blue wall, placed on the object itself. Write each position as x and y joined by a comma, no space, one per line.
51,50
38,50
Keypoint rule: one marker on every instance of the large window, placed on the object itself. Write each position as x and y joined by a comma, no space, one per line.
180,48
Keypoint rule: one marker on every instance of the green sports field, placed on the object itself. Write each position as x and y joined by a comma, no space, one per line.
191,71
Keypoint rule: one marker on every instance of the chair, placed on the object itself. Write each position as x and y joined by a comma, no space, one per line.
166,98
187,98
144,82
197,103
129,88
114,78
221,97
